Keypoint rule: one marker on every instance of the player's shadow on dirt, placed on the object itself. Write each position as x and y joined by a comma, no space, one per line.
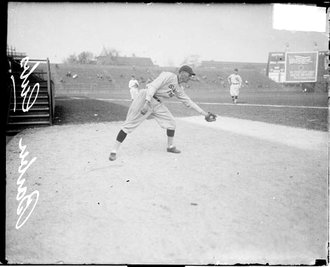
78,111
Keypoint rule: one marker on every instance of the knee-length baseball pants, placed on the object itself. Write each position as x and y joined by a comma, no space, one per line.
234,89
157,111
134,92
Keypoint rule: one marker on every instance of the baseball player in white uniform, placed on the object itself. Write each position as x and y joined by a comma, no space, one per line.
235,82
133,87
149,104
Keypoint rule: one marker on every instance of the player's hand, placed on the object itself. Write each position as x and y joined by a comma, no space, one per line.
145,108
210,117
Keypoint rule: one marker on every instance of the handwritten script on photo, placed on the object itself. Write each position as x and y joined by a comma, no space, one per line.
28,202
26,105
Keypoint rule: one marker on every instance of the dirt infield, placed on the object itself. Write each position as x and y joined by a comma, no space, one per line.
254,194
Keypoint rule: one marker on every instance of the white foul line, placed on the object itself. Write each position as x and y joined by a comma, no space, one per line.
221,104
264,105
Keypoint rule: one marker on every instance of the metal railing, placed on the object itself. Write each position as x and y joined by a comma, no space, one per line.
50,85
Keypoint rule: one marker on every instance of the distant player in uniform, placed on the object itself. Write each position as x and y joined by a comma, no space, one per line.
133,87
149,104
235,82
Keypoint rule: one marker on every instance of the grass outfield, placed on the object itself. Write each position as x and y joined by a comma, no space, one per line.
286,108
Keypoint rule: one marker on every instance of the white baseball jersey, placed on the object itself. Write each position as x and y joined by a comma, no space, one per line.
166,85
235,79
133,83
235,83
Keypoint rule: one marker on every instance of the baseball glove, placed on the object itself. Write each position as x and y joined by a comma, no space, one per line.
210,117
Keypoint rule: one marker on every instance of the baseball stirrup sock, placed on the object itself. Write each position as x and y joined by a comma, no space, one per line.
121,136
170,133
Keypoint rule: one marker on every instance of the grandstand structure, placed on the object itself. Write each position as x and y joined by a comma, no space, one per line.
109,80
30,92
85,79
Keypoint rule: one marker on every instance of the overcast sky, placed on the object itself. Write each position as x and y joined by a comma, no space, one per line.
166,33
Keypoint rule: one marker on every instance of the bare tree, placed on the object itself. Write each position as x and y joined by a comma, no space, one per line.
112,52
85,57
72,59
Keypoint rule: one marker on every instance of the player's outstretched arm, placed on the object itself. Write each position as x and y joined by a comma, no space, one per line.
191,104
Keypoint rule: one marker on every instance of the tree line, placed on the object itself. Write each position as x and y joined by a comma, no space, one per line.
87,57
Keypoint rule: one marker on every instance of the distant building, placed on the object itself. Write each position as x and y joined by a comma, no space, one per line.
124,61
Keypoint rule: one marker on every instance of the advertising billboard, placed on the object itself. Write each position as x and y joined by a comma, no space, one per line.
276,66
301,67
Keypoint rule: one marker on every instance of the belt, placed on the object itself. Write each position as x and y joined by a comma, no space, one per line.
155,97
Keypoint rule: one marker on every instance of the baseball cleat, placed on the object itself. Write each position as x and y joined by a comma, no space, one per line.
173,149
112,156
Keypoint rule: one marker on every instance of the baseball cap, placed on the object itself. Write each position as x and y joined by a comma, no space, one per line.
188,69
